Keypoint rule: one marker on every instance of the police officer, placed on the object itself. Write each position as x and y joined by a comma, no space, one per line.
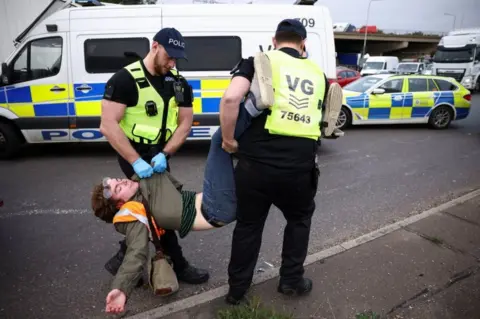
277,160
146,116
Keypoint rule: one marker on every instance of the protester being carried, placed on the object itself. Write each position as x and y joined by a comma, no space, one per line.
122,201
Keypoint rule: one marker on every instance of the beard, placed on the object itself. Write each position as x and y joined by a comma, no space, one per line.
159,67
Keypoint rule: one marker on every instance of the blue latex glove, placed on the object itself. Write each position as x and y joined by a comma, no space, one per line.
159,163
142,169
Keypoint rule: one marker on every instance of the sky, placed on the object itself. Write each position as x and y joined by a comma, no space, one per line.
405,15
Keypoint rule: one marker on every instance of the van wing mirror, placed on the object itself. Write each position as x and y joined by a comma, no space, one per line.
5,74
378,91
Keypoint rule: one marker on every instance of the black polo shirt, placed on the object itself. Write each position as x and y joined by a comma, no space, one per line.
267,151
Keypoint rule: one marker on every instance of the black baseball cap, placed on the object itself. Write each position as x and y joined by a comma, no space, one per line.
292,25
172,40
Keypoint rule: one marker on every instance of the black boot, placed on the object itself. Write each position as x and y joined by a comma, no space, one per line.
235,298
192,275
300,288
115,262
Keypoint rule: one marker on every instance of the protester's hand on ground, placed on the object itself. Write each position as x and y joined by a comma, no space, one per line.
159,163
142,168
115,301
230,146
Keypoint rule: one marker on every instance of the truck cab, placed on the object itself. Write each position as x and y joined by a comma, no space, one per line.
458,56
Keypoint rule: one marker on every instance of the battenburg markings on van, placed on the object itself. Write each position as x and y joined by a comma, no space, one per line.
76,51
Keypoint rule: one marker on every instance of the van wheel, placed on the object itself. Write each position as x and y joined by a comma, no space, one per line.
10,141
441,117
344,118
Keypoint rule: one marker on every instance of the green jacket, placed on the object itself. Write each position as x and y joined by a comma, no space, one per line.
167,214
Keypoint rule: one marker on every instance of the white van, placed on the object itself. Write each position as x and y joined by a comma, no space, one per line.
55,78
379,64
410,68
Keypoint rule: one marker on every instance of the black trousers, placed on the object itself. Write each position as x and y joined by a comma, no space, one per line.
169,241
257,189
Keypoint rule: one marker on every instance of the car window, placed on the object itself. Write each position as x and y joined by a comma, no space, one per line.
362,84
445,85
432,86
350,74
393,86
417,85
342,75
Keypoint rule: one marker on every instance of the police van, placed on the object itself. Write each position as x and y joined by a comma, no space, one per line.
53,82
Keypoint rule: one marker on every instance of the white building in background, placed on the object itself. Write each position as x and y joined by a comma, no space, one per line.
15,17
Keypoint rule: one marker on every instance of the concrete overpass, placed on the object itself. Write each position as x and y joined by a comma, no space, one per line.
401,45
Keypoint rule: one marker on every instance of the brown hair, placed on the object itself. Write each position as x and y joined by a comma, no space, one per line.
289,37
103,208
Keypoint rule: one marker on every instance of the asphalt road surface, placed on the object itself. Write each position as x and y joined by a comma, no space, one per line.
53,249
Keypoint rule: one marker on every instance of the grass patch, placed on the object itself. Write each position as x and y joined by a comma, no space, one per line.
251,310
367,315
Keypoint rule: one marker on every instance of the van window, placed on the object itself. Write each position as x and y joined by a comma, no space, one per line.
108,55
39,59
220,53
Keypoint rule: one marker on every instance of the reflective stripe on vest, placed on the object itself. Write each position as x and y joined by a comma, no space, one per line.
299,86
137,125
135,211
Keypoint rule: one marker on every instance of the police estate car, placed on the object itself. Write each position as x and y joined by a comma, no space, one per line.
395,99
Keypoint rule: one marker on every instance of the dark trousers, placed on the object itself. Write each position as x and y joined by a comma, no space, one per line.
257,189
169,241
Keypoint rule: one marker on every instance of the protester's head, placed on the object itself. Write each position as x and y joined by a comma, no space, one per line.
290,33
168,45
110,195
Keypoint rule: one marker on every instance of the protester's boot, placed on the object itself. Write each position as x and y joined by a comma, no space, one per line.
333,105
260,95
263,73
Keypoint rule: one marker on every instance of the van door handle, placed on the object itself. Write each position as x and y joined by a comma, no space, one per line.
57,89
84,88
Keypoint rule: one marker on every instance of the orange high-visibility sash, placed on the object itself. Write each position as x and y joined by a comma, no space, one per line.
135,211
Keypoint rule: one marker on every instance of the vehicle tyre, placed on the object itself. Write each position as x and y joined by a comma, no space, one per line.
10,141
441,117
344,118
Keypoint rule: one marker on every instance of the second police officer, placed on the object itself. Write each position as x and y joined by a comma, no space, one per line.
277,157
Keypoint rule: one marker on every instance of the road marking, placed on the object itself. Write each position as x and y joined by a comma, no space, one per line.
33,212
221,291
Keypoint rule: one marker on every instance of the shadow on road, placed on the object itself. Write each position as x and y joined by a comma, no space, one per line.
99,149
